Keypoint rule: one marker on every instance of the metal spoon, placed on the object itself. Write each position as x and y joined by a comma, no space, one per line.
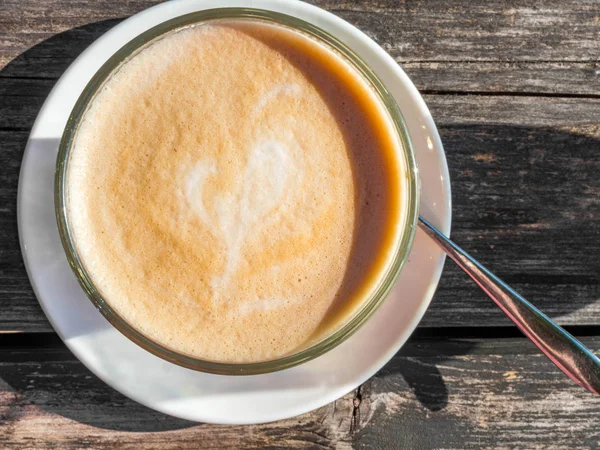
566,352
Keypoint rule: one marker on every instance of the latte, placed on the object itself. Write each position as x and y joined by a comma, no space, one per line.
234,190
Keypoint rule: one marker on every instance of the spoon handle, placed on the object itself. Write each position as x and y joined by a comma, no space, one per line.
566,352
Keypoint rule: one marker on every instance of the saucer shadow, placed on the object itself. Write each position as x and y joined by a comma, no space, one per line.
417,362
43,373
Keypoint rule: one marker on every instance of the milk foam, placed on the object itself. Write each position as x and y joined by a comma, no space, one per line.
233,191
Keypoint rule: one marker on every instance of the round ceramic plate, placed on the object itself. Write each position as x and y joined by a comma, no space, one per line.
194,395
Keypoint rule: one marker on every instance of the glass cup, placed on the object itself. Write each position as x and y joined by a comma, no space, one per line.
369,305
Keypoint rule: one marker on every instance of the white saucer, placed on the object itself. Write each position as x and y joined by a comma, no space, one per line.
182,392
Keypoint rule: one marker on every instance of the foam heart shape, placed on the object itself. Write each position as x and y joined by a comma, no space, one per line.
239,213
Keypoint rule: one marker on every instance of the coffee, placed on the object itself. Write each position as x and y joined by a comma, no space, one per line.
234,190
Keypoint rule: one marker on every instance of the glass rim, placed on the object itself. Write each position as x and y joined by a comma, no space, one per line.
386,282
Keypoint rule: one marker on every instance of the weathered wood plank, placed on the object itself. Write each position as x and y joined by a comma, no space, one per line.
434,394
531,46
430,30
525,202
474,394
48,398
546,78
424,30
17,300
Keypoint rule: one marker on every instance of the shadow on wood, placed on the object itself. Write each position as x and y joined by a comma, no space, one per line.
527,206
51,379
413,363
24,85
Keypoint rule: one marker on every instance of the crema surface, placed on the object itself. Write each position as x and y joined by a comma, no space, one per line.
234,191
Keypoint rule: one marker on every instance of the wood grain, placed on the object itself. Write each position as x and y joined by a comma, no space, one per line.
526,203
490,77
462,30
515,89
496,394
545,47
434,394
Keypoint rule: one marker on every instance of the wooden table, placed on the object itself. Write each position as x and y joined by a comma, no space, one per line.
514,87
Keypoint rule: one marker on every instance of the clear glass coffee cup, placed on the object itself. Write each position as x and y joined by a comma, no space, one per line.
368,305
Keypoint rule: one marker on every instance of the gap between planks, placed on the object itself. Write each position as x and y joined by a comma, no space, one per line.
48,339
